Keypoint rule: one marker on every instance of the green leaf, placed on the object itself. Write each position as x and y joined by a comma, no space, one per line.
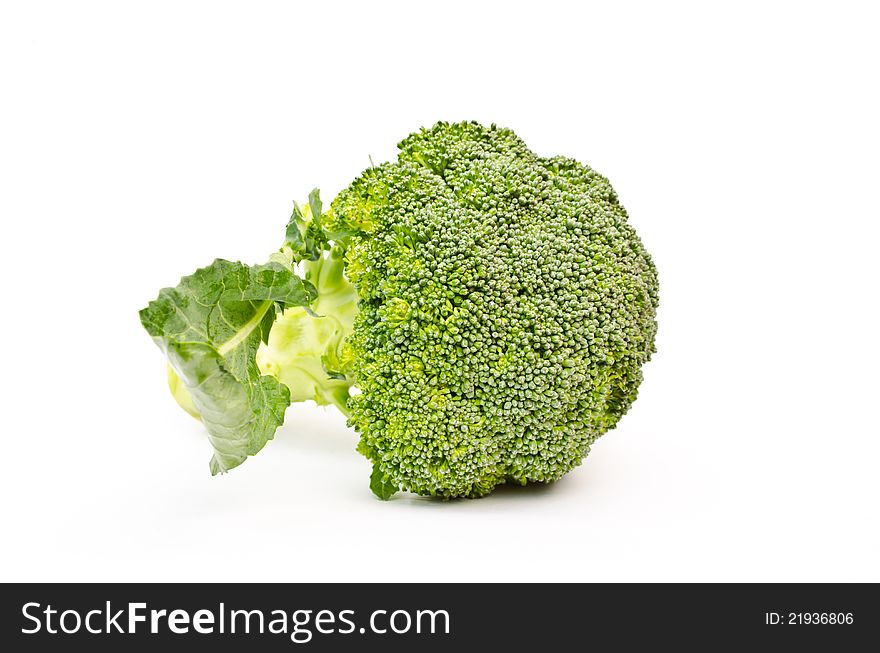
380,485
294,234
209,328
315,205
305,234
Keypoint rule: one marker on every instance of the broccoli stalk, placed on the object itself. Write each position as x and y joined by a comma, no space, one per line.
306,348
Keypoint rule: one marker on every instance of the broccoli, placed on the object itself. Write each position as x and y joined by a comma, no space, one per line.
492,308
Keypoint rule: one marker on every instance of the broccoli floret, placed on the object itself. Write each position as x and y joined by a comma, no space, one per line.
494,314
506,309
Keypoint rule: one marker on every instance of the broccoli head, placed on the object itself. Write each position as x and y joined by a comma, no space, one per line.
492,308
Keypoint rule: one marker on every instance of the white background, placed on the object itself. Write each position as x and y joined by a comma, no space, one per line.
141,140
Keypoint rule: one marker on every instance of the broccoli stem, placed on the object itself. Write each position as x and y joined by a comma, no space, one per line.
326,273
339,397
306,349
